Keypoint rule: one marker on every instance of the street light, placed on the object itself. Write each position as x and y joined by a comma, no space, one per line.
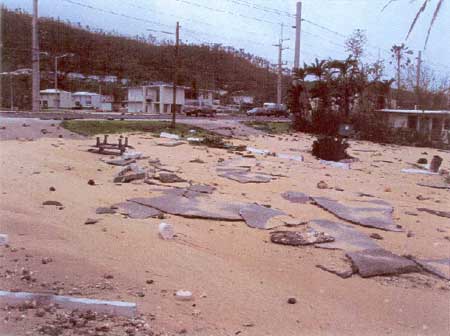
17,72
56,67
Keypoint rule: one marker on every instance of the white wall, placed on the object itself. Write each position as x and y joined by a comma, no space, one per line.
135,107
398,121
135,94
167,95
90,101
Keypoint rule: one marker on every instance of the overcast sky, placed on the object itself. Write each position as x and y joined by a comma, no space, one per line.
256,25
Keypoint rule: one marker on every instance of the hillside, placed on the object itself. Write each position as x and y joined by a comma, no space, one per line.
135,58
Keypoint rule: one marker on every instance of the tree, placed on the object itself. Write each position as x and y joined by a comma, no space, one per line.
400,53
355,44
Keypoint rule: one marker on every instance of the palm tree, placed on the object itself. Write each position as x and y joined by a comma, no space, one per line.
419,12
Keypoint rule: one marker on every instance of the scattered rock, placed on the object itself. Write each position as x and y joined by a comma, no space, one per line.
197,161
295,197
4,239
438,267
121,162
294,222
297,238
46,260
374,262
52,189
243,175
322,185
410,234
91,182
422,198
25,125
195,206
183,295
376,236
130,173
137,211
169,178
292,300
261,217
166,231
422,161
343,272
439,213
55,203
346,237
105,210
371,213
91,221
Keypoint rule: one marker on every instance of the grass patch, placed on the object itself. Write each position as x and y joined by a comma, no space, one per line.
272,127
94,127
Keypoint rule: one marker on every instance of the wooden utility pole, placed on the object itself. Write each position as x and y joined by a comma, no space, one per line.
175,75
298,29
280,66
35,60
419,69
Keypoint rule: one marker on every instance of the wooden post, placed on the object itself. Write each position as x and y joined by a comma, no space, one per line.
105,139
98,142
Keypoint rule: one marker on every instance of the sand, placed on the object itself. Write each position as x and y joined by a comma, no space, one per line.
239,279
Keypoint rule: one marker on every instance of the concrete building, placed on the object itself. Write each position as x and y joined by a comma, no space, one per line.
241,99
53,99
154,98
87,100
436,124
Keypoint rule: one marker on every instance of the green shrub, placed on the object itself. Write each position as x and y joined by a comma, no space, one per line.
330,148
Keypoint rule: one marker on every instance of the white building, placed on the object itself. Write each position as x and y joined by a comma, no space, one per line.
436,124
53,99
154,98
243,99
87,100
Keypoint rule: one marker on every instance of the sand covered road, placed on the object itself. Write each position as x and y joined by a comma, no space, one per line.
240,280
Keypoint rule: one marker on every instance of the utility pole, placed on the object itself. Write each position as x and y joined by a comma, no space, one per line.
419,66
280,66
298,29
35,59
175,75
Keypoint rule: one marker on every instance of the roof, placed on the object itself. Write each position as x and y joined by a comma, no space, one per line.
83,93
418,112
53,91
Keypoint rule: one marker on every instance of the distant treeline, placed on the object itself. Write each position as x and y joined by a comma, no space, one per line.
137,59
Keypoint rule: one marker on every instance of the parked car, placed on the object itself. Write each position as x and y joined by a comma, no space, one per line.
257,111
278,111
196,109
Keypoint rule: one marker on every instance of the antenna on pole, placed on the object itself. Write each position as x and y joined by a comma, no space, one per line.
280,65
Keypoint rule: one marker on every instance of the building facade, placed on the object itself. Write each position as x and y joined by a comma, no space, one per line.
154,98
54,99
435,124
87,100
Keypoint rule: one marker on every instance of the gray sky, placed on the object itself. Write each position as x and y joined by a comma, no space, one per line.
255,25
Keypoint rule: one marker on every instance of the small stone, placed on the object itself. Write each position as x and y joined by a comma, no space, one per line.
91,182
108,276
40,312
322,185
103,327
387,189
292,300
149,282
140,294
55,203
376,236
52,189
410,234
46,260
91,221
183,295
